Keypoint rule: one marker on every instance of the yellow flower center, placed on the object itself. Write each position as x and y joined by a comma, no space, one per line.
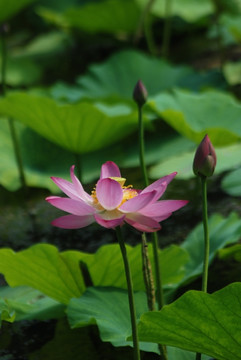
128,192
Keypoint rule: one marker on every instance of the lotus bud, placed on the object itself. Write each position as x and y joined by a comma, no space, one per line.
205,158
140,93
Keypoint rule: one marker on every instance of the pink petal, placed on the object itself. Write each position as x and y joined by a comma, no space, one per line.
73,221
142,223
78,186
75,190
109,193
66,186
109,224
109,169
163,217
141,227
160,185
159,191
163,207
138,202
75,207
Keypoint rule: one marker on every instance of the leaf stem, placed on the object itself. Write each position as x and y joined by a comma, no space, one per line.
206,240
13,133
130,294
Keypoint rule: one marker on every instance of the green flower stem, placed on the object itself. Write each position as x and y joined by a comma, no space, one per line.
167,28
159,289
142,146
154,235
206,234
148,277
206,241
11,121
130,294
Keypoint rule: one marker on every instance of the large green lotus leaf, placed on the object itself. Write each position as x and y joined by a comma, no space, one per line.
43,268
194,115
108,16
8,8
223,231
205,323
47,159
189,10
172,261
231,183
29,304
58,275
228,157
44,160
100,306
120,17
119,74
79,128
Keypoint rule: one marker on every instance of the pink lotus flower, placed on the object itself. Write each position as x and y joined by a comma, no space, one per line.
111,203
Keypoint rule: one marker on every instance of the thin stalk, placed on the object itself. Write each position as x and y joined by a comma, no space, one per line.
11,121
158,283
145,25
142,146
4,63
130,294
148,277
167,28
206,241
206,234
17,154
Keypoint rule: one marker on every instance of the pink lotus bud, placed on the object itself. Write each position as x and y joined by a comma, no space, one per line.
205,158
140,93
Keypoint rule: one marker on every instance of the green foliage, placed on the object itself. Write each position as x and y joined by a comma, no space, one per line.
58,275
79,128
28,304
231,183
189,10
108,16
9,8
6,313
192,115
232,72
118,75
223,231
100,306
231,252
199,322
21,72
228,157
40,163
